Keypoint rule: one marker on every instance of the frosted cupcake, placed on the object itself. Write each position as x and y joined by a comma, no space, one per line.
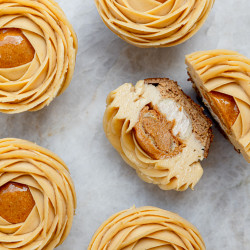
159,131
37,197
146,228
154,23
38,50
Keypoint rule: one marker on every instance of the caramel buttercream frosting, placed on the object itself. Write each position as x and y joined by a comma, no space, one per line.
146,228
159,131
37,197
222,78
38,50
154,23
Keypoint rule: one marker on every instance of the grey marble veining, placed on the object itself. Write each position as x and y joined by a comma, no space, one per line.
72,127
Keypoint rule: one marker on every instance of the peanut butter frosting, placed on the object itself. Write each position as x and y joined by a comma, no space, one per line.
158,131
222,77
37,197
154,23
38,50
146,228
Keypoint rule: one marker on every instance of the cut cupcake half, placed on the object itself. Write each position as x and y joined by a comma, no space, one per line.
159,131
222,79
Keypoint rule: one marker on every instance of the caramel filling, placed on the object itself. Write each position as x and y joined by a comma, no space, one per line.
161,1
226,107
154,134
15,49
16,202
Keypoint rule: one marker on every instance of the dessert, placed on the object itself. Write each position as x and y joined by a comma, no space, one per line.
159,131
222,79
146,228
37,197
37,54
154,23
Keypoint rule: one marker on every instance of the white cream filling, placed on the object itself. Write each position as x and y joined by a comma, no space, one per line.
173,111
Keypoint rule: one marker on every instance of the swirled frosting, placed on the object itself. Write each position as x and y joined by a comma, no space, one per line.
223,79
29,166
32,84
154,23
146,228
159,131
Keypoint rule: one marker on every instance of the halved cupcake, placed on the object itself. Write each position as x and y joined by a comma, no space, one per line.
222,79
159,131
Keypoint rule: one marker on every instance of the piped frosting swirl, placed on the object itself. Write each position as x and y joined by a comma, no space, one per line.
154,23
146,228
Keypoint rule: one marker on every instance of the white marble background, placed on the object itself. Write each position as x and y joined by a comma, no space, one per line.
72,127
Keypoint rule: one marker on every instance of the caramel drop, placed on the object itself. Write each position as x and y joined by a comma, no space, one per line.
15,49
16,202
154,134
226,106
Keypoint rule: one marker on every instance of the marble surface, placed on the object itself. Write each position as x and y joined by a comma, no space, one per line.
72,127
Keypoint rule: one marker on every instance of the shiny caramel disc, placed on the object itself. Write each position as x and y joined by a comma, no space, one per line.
16,202
15,49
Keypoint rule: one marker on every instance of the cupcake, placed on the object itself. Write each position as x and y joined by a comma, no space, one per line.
37,197
38,50
146,228
154,23
159,131
222,79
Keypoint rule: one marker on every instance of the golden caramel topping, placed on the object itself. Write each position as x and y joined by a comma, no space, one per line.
226,106
153,133
16,202
15,49
161,1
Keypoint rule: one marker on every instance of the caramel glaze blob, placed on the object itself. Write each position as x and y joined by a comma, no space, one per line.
226,106
38,48
15,49
16,202
154,133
